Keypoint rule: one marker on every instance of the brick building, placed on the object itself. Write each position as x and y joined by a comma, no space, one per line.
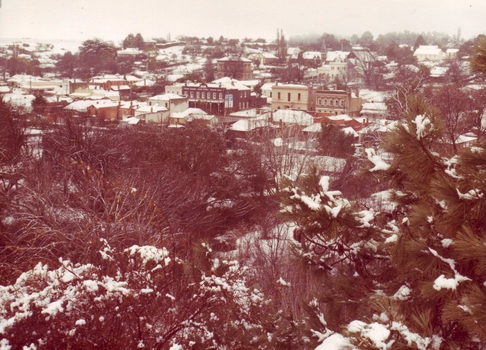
236,68
218,98
335,102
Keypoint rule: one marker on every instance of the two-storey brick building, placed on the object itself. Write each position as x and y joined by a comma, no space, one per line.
234,67
334,102
217,98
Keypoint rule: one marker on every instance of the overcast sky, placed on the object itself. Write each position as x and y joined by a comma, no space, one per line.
114,19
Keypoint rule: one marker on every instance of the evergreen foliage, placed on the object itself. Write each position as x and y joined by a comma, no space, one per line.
429,291
334,142
478,58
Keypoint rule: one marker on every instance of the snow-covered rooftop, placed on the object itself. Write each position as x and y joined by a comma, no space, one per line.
292,116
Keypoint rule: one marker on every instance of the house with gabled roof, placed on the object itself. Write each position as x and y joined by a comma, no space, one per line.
153,114
429,53
291,117
335,65
102,109
173,102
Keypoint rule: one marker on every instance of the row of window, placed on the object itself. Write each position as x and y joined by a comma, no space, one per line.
289,95
206,95
331,102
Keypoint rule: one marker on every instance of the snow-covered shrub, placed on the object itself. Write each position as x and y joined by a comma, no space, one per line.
140,297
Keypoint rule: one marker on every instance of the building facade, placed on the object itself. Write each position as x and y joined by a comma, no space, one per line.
236,68
429,53
172,102
293,96
334,102
218,99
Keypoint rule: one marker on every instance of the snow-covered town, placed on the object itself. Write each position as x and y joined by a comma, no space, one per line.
321,192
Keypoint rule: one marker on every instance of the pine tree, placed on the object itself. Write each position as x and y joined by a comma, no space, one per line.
432,295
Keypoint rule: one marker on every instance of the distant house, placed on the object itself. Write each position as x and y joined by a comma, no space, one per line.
129,52
107,82
429,53
312,56
19,101
172,102
222,96
291,117
174,89
102,109
267,90
334,102
374,110
4,90
30,83
234,67
452,53
189,115
293,52
335,66
263,58
292,96
128,108
153,114
437,74
345,120
245,127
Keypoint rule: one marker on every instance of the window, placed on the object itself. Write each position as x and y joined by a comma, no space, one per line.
197,94
288,96
330,102
336,103
192,94
278,96
214,95
203,94
298,97
319,101
220,95
342,103
325,102
270,94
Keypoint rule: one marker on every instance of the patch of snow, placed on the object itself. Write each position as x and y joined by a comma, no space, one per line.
403,293
375,332
365,216
422,121
336,342
282,282
446,242
148,253
379,163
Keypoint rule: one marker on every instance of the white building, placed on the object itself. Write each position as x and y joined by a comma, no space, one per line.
429,53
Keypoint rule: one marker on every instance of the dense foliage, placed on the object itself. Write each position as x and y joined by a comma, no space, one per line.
413,274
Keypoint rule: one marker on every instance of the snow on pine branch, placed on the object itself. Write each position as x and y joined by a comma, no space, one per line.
330,201
379,163
423,126
442,282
